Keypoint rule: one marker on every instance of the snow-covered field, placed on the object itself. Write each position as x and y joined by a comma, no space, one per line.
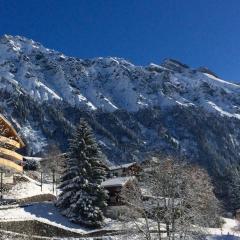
42,212
47,213
230,227
28,189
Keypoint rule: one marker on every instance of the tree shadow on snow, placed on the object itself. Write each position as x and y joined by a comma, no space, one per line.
47,212
223,237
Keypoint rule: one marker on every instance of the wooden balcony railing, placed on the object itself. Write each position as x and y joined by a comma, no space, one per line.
11,155
9,164
7,126
8,141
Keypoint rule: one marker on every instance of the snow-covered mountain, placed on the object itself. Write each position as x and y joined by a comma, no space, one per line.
134,110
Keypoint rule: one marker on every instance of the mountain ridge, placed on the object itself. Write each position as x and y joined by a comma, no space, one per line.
135,111
108,84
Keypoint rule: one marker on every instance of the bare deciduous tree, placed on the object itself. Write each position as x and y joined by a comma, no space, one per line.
177,202
54,162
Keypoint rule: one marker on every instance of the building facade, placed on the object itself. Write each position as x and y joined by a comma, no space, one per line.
124,170
114,186
10,141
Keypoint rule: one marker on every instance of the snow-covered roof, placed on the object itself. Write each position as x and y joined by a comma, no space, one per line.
32,158
117,182
127,165
43,158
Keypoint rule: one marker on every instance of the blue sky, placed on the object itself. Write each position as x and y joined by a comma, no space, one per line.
196,32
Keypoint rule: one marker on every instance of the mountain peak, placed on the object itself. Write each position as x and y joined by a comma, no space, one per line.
173,64
18,44
207,70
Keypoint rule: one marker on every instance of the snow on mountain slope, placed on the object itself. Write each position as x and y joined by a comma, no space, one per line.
109,83
135,111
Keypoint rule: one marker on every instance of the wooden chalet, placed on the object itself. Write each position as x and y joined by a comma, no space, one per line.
129,169
10,141
114,187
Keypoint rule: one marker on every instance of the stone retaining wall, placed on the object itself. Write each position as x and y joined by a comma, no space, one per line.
32,227
37,198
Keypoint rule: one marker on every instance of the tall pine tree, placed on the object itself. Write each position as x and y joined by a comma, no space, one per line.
82,198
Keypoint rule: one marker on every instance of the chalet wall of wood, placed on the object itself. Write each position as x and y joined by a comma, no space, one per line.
10,141
114,186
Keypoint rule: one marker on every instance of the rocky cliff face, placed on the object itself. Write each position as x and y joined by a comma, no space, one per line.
134,110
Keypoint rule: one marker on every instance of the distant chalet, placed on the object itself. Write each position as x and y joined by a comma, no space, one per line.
10,141
114,186
129,169
118,178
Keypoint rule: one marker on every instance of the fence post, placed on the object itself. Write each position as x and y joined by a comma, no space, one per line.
53,172
1,184
41,181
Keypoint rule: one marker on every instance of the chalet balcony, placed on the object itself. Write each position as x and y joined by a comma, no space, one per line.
10,164
9,143
10,155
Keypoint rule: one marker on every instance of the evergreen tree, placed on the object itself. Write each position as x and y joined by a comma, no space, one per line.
82,198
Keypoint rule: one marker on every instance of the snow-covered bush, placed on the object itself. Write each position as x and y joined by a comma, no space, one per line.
30,164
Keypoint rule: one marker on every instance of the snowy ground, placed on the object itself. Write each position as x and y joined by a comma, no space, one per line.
42,212
47,213
28,189
230,227
229,231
